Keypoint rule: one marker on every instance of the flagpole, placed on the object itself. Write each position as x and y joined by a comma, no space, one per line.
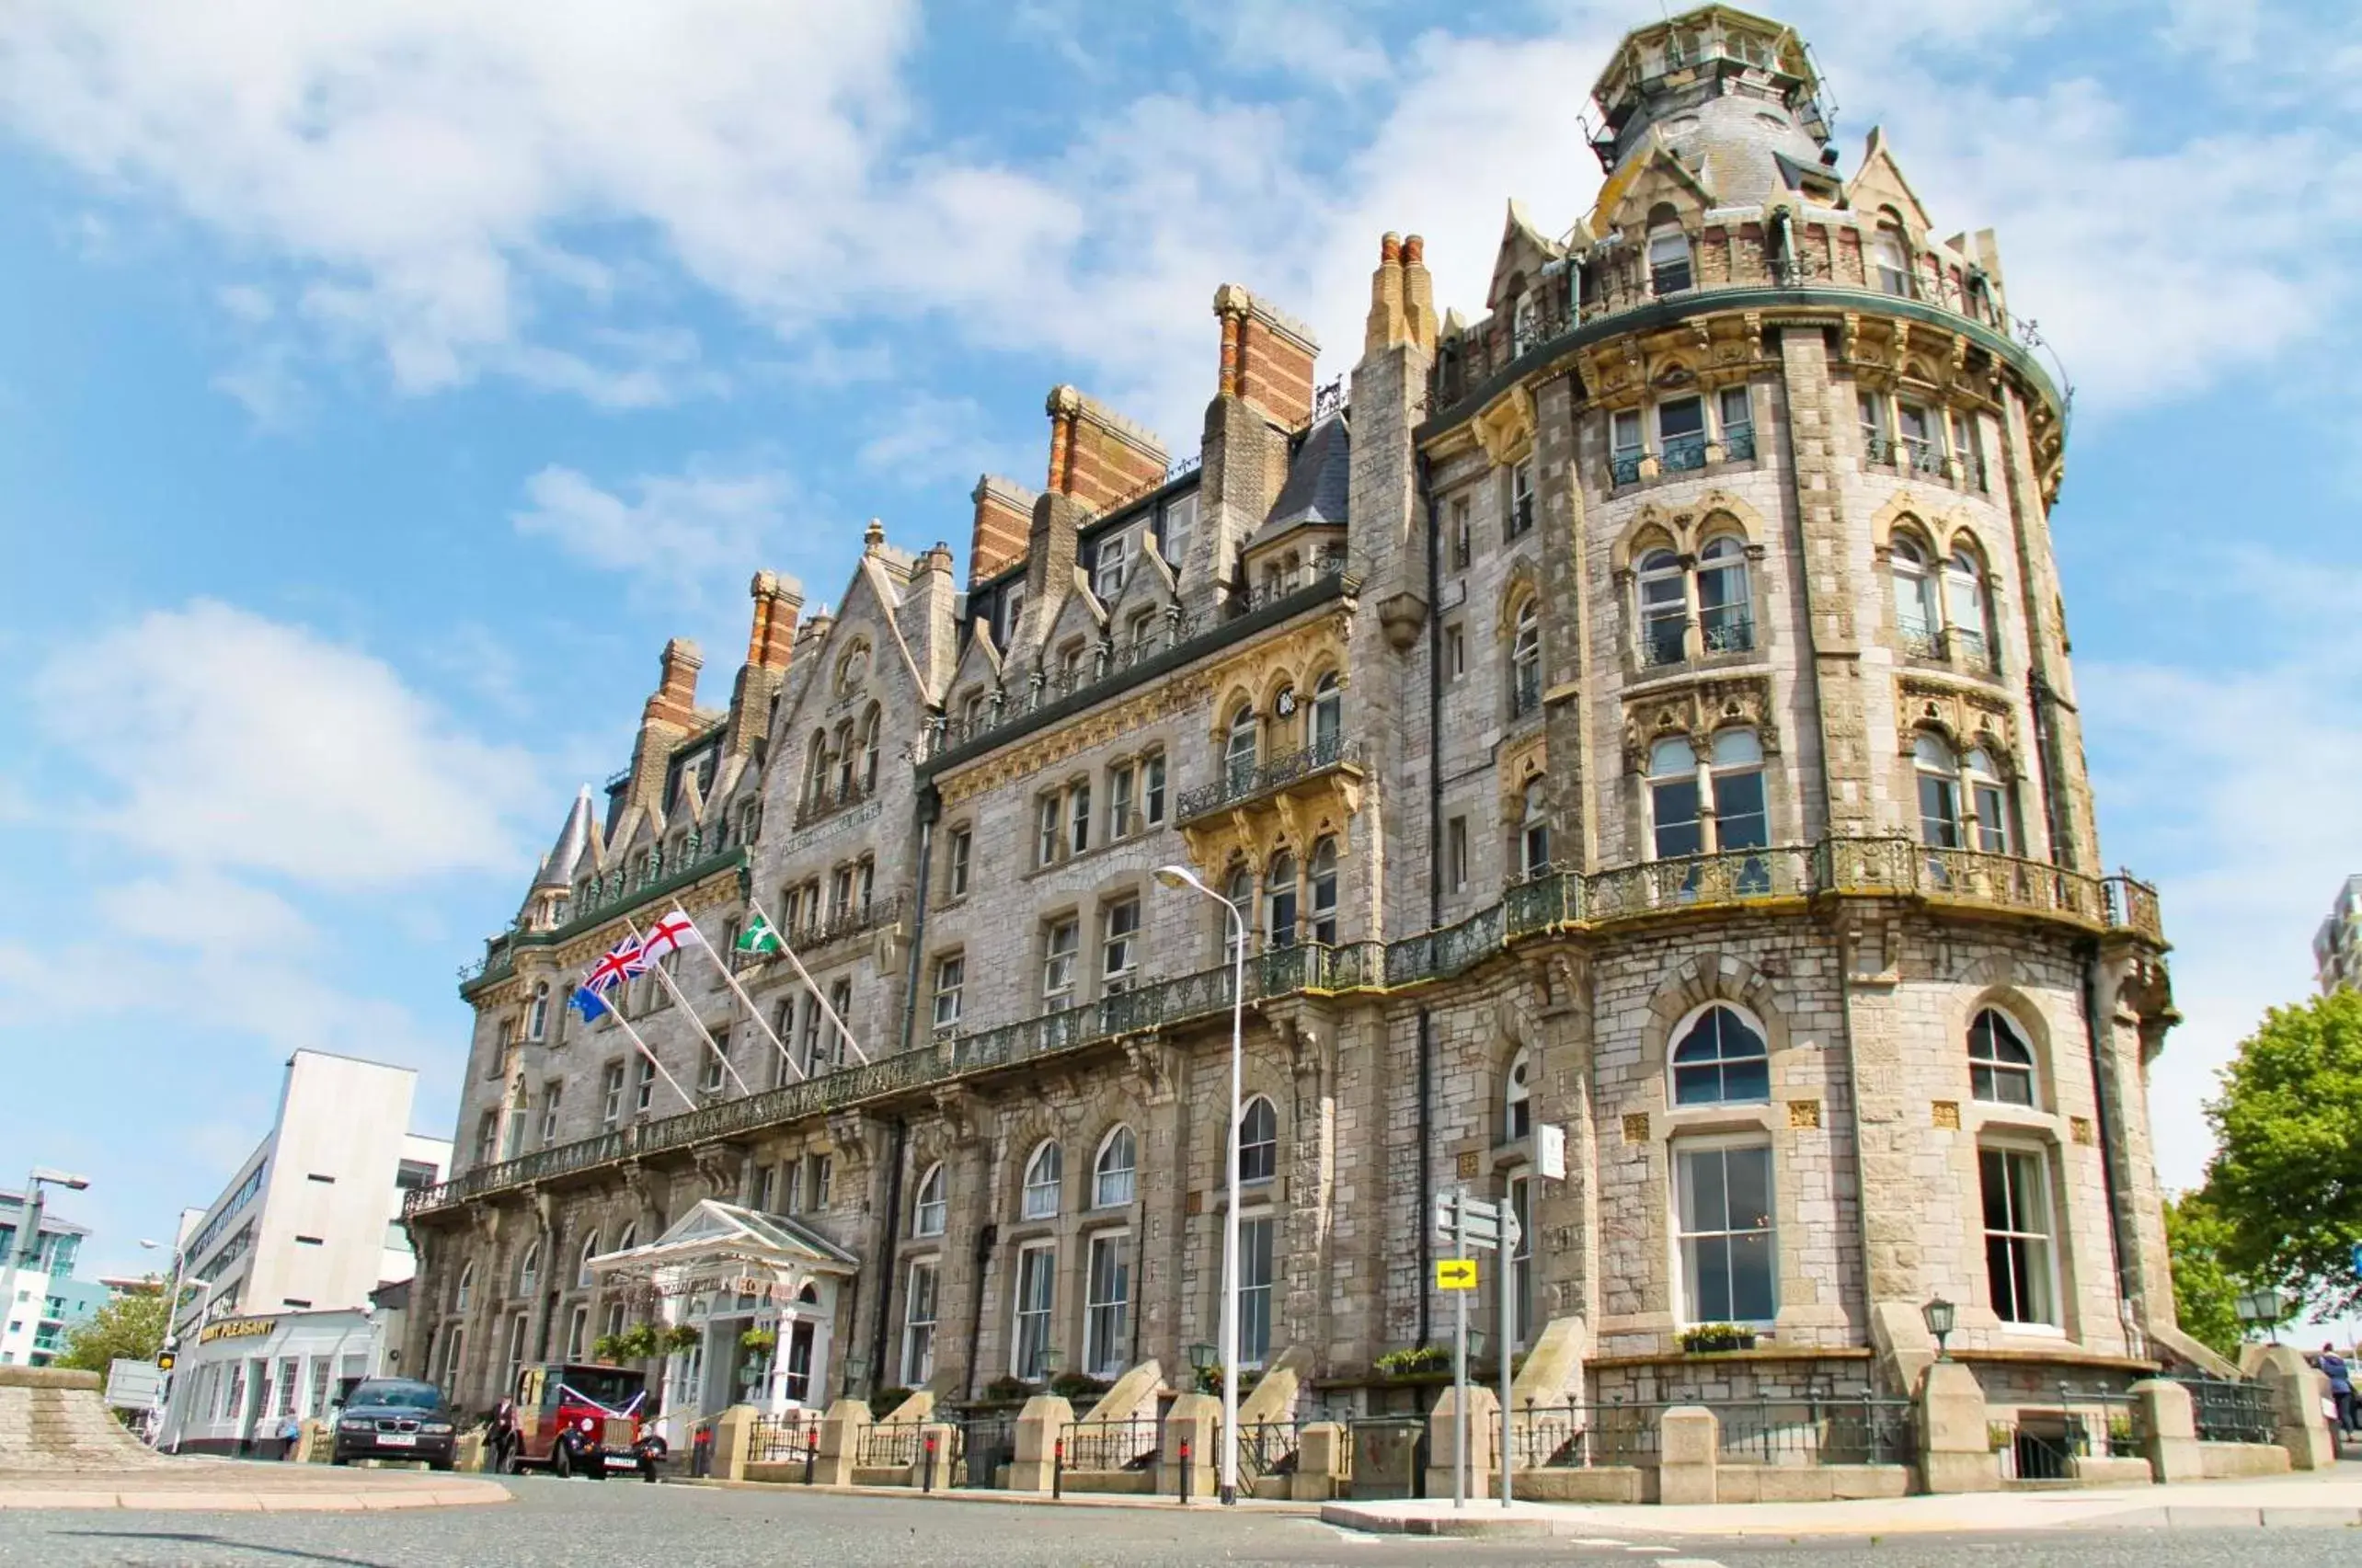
737,990
665,979
627,1024
810,984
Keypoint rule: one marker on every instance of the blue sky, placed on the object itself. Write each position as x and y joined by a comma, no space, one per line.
382,384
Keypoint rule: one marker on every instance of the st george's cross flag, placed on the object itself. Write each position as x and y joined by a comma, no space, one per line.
668,935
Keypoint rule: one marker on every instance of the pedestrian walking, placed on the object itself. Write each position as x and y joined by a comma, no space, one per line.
503,1435
290,1433
2341,1385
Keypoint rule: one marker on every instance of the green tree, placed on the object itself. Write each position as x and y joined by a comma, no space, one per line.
2287,1176
2204,1286
131,1326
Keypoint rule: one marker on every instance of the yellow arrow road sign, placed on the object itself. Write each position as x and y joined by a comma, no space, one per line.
1455,1273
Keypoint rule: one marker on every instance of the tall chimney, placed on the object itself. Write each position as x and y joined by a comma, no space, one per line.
1418,294
1004,518
1097,456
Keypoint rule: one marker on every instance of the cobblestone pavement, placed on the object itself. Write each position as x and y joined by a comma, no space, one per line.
615,1525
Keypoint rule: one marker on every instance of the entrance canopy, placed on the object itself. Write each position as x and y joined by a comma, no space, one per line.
718,1249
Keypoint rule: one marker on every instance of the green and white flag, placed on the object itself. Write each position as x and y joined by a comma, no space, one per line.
758,938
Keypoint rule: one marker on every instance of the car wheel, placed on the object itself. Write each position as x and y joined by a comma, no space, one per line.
339,1456
443,1464
561,1463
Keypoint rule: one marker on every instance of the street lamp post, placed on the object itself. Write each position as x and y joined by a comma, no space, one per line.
1939,1314
26,1246
171,1297
2266,1306
1182,877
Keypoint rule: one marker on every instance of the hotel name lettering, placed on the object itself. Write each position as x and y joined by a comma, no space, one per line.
236,1328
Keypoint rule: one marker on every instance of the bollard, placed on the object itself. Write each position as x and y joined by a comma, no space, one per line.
926,1476
1185,1472
1057,1471
811,1452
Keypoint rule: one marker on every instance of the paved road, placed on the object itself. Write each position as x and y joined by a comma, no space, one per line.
555,1524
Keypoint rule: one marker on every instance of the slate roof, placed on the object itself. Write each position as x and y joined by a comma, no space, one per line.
1315,494
558,866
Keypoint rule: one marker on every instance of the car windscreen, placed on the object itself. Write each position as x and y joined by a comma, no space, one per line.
398,1391
610,1387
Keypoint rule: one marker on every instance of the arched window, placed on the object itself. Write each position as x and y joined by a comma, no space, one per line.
1533,830
1726,613
1517,1099
529,1269
1664,608
1240,891
1328,716
819,760
1939,792
1238,751
1891,256
928,1212
629,1238
537,1018
464,1292
1279,901
584,1278
847,759
1112,1176
1258,1141
1324,885
1673,798
1044,1173
1990,799
1525,660
1719,1059
1963,608
1525,322
2000,1064
1915,612
870,727
1668,254
1741,822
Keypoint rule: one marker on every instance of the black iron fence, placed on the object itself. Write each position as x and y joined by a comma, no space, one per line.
1121,1442
888,1444
1580,1436
1858,1428
1267,1448
2228,1412
2041,1440
779,1439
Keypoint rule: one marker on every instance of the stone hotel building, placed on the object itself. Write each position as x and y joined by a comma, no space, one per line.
1638,701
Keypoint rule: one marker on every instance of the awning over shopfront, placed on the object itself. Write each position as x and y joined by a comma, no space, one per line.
721,1249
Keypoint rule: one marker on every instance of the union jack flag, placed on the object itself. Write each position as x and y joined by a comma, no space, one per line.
666,935
621,962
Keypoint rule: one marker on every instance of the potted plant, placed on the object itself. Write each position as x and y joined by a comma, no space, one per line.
759,1339
680,1339
886,1402
1418,1361
637,1343
1072,1386
1710,1339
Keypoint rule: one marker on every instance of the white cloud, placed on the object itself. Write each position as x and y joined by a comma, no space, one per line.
688,532
466,189
924,439
2232,789
212,737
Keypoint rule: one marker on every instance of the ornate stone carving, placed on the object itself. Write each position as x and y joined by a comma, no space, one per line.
1697,708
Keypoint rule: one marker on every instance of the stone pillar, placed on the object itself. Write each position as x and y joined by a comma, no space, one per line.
1323,1460
841,1431
931,1466
1197,1420
1483,1440
1956,1453
1041,1426
2297,1392
2169,1430
733,1440
1689,1441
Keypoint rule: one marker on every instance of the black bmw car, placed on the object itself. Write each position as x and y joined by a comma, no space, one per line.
394,1418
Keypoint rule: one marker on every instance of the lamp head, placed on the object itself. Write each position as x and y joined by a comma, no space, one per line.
1179,877
1201,1357
57,1178
1939,1314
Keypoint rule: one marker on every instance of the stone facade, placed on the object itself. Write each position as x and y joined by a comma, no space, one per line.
1679,642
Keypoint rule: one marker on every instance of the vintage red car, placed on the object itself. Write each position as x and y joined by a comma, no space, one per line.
581,1419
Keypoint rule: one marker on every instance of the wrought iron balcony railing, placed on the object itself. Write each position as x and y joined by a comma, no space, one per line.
1682,454
828,802
1238,784
1550,902
1727,629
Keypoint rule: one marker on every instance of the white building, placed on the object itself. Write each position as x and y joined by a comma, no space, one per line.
239,1379
2337,946
312,1220
47,1301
